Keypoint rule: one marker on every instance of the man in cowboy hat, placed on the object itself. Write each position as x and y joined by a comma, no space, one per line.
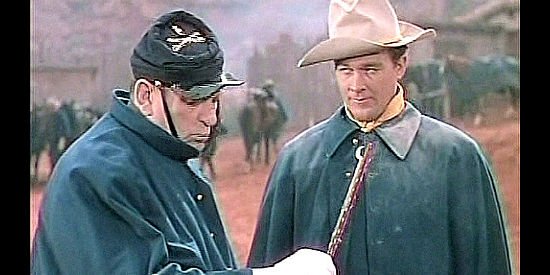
128,197
426,201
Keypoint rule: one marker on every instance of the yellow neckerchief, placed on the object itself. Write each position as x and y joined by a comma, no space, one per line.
394,108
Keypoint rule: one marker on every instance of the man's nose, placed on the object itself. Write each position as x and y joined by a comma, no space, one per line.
356,83
209,114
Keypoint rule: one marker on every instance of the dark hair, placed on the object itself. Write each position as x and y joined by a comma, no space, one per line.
397,52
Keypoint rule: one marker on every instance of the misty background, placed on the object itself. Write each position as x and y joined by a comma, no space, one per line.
80,49
80,52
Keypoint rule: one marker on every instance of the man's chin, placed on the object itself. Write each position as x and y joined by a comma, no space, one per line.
199,145
363,115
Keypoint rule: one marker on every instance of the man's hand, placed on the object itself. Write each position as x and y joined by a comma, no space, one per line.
303,262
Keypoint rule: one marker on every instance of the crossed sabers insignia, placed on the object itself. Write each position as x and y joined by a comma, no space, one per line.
180,42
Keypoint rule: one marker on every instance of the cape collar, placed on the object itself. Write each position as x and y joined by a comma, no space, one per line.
397,133
158,138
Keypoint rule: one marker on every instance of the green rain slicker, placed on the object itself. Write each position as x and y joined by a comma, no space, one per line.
431,204
127,198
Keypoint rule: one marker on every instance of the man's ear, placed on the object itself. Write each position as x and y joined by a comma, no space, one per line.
142,96
402,64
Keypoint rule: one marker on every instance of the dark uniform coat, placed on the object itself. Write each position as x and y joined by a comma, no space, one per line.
127,198
430,206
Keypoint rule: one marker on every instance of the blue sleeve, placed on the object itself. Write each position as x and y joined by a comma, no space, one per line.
91,223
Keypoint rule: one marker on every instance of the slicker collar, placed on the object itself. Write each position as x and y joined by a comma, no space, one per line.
398,133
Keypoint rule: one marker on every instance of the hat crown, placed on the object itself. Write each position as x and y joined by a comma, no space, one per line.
371,20
359,27
178,48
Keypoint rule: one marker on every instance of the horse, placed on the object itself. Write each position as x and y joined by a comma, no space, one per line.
427,88
261,120
460,85
471,81
54,127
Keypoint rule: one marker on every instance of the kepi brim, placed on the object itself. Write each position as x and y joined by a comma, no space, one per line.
206,90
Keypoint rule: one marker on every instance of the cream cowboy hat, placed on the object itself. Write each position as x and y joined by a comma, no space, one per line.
359,27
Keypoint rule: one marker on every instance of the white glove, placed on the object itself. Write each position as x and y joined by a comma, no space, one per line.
303,262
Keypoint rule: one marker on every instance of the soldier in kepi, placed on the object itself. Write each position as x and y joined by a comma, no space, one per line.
381,187
128,197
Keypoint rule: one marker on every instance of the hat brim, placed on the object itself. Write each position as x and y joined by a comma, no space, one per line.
206,90
345,47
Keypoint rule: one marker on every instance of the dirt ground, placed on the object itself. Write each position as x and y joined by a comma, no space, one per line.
502,143
240,191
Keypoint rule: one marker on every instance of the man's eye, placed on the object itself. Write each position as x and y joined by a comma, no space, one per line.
369,70
193,103
344,70
190,102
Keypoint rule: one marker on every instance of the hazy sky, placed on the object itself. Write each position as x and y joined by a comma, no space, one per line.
243,24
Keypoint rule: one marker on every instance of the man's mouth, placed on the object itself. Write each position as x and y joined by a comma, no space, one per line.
200,138
360,100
